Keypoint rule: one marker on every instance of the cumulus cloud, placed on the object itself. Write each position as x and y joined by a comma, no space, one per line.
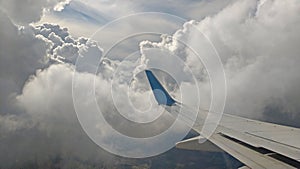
28,49
32,59
47,99
37,102
258,45
63,47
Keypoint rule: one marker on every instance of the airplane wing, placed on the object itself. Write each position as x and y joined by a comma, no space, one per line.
257,144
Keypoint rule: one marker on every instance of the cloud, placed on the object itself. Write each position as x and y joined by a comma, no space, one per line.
21,53
61,5
258,45
40,97
49,119
27,11
26,49
32,58
65,48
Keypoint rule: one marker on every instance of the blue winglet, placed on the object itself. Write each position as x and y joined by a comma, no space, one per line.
161,95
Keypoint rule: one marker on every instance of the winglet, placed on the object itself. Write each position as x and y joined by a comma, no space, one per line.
161,95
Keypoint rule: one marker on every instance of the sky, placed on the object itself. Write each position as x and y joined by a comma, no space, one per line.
62,61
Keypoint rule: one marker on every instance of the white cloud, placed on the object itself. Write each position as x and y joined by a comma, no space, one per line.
61,4
64,47
49,119
44,104
258,45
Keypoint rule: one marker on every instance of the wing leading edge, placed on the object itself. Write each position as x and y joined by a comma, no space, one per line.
256,144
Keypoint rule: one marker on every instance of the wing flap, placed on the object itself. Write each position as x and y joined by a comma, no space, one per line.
276,138
193,144
246,155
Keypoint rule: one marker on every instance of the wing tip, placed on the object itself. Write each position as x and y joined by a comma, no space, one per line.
161,95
